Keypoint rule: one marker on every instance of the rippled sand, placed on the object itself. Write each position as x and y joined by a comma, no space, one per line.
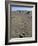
20,25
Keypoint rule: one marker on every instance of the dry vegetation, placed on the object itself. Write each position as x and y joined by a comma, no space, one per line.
20,25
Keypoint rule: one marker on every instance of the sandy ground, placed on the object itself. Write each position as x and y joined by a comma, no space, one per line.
20,25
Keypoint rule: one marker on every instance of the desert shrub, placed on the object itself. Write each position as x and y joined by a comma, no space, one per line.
19,11
28,12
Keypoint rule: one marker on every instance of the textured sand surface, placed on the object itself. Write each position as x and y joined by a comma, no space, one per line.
20,25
